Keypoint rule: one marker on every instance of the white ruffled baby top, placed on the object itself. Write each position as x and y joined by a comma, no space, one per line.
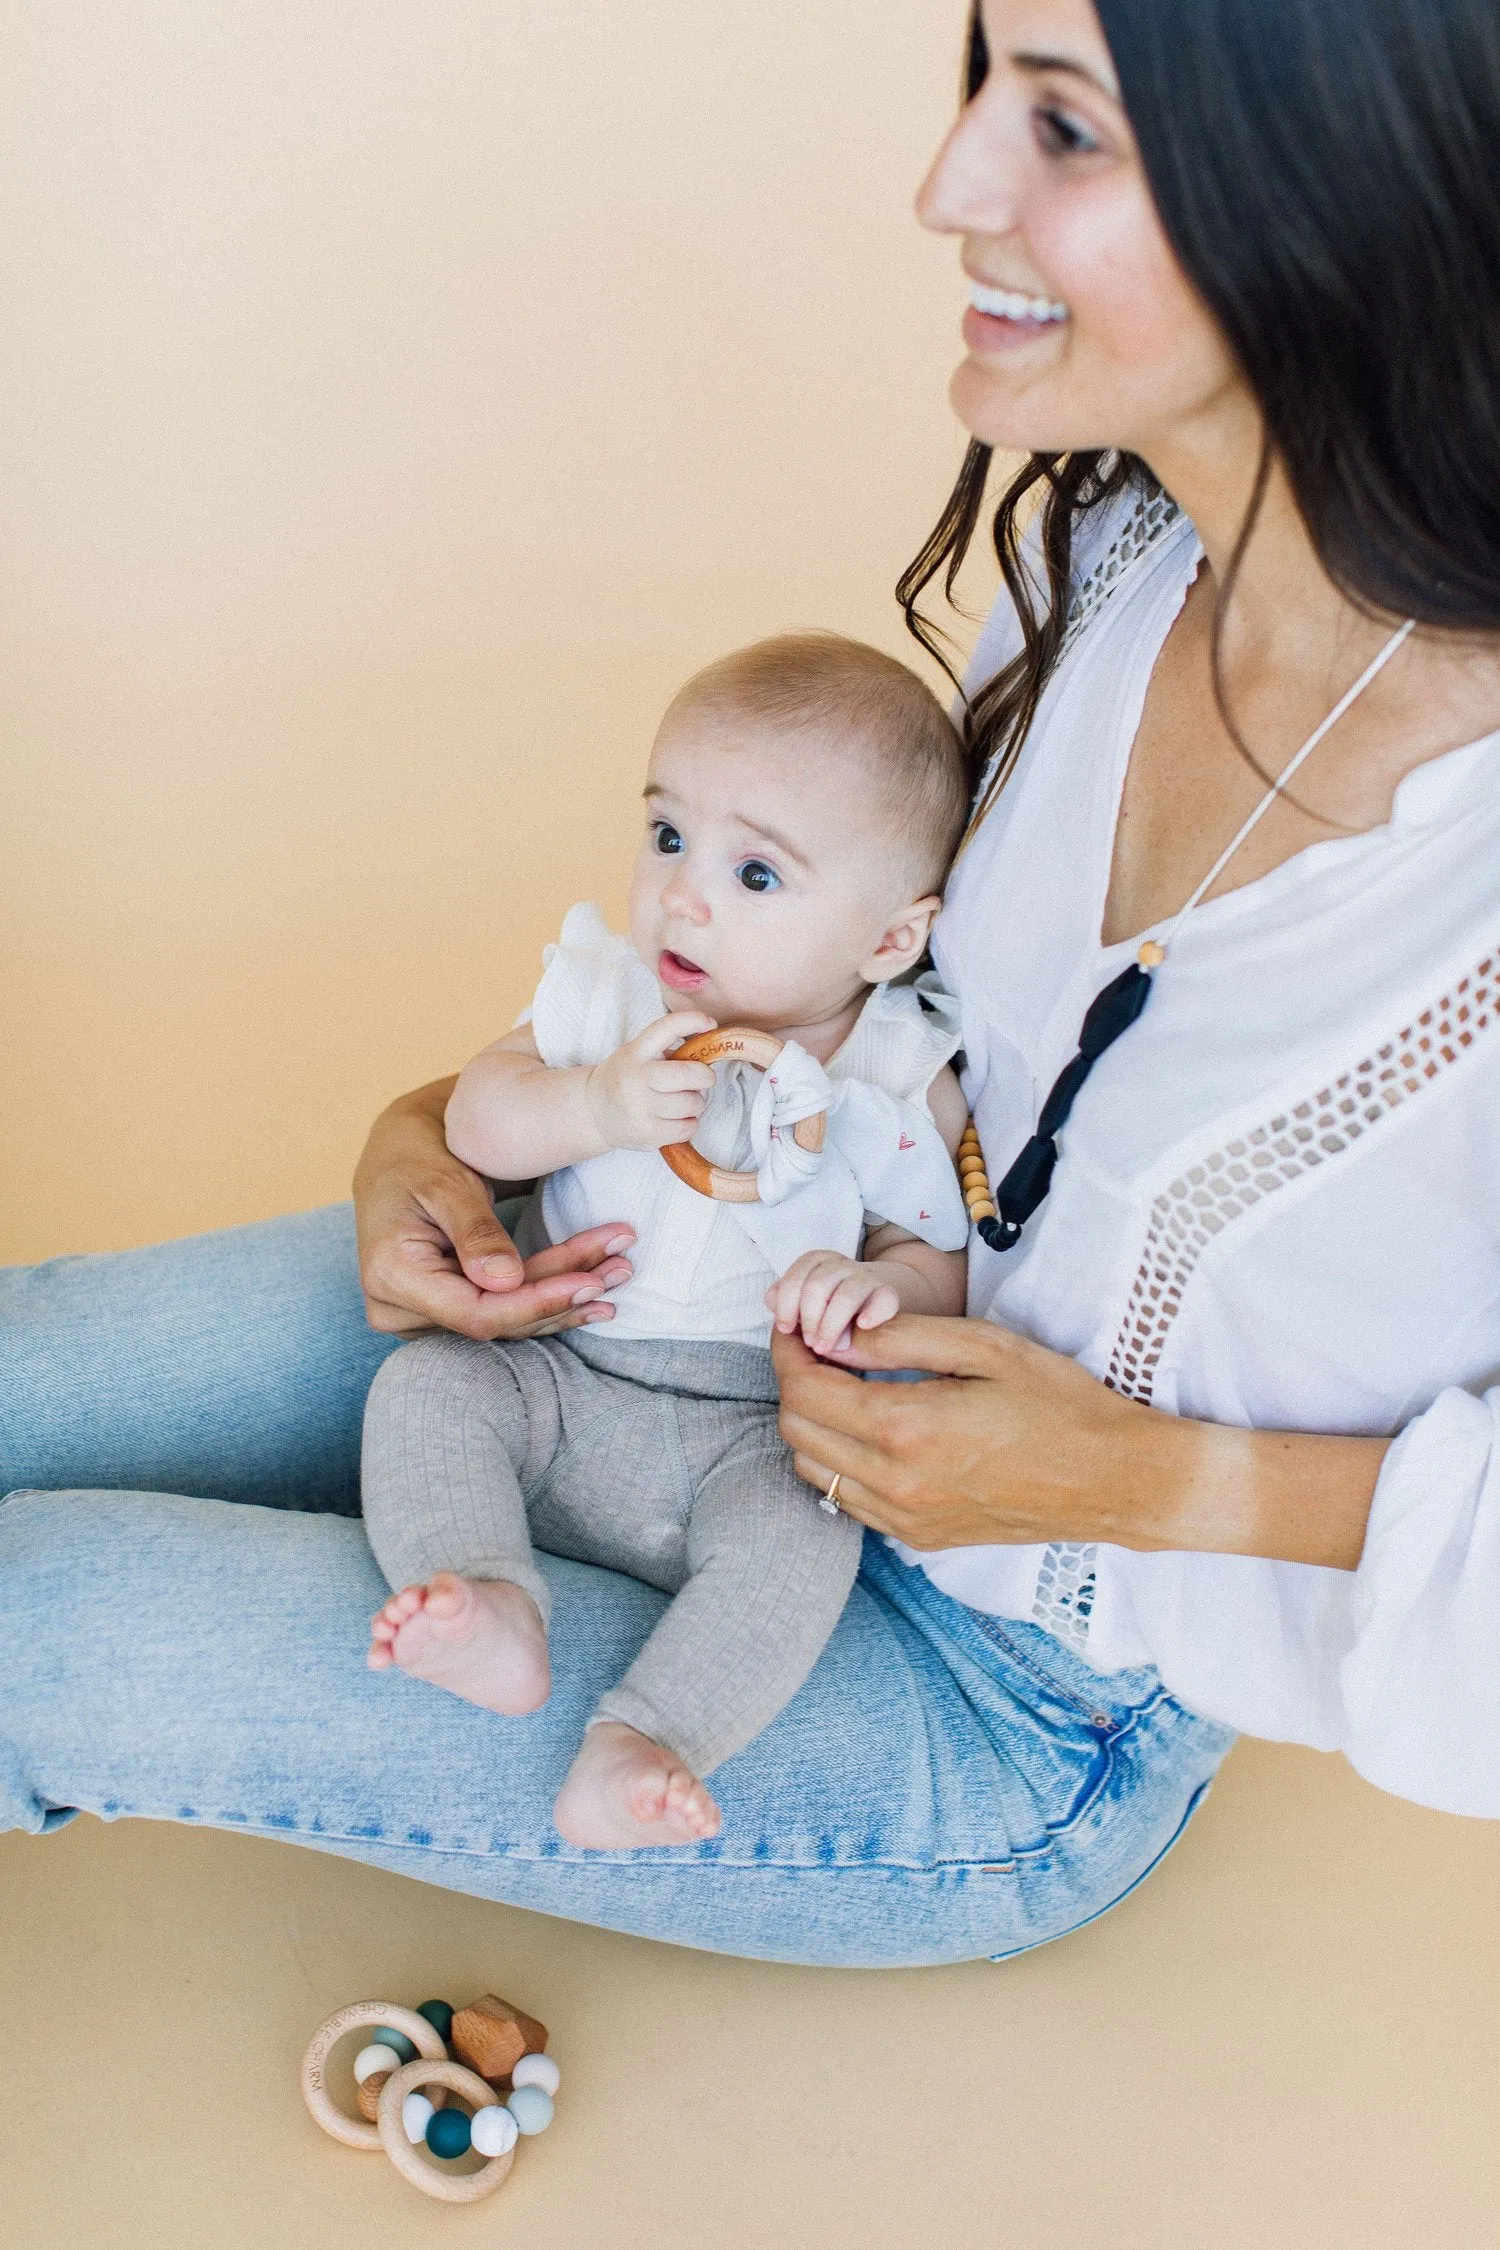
701,1269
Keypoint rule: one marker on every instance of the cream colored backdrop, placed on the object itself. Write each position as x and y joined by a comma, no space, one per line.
398,399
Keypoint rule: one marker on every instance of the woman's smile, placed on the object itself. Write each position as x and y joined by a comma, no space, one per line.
998,320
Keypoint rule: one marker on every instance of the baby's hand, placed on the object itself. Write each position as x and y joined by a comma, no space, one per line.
826,1296
638,1099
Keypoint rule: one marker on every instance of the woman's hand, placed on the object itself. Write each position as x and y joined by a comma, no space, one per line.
1014,1445
1009,1444
433,1255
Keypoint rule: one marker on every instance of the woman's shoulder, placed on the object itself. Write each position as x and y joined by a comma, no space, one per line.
1107,541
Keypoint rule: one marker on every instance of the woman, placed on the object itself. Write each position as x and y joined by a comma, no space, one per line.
1246,256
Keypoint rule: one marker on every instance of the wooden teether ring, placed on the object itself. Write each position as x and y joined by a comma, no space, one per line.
448,2187
352,2130
759,1049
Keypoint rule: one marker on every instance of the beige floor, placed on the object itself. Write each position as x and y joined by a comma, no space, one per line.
1288,2040
399,400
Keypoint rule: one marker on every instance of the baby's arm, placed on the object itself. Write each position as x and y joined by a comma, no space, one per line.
828,1296
513,1117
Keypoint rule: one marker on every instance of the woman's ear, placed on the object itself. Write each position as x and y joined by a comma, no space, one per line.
903,943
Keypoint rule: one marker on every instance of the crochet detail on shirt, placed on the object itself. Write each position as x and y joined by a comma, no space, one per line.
1065,1583
1212,1194
1152,515
1065,1593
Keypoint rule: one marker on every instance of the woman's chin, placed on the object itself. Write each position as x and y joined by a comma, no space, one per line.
1013,412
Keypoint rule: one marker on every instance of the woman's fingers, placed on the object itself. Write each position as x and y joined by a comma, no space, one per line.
582,1254
934,1345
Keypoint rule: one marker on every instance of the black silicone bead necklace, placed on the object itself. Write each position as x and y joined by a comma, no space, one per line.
1115,1009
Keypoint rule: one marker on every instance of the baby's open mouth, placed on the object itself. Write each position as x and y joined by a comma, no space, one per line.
678,971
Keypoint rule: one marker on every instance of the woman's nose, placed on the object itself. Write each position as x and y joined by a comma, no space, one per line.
681,899
972,187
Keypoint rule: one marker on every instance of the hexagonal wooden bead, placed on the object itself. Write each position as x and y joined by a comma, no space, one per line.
367,2094
491,2037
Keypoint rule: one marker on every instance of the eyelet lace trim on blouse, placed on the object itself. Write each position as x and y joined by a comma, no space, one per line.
1065,1582
1152,514
1233,1179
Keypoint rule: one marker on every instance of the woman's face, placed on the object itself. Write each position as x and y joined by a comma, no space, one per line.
1082,331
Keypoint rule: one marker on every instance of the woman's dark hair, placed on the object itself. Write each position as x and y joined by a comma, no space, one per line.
1328,174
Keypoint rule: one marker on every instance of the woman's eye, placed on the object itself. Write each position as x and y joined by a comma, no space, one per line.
665,837
756,876
1062,135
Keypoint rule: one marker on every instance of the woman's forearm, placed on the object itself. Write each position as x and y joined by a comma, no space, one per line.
1204,1487
409,1133
1022,1446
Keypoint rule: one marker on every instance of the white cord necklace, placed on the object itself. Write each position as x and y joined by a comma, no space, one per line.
1115,1009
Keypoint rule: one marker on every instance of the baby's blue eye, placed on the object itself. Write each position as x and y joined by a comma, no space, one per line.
665,837
756,876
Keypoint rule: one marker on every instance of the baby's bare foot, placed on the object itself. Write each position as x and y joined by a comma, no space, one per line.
624,1790
478,1638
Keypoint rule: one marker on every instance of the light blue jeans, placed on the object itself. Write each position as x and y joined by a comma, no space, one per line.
946,1785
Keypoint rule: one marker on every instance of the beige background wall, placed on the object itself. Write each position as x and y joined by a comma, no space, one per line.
399,397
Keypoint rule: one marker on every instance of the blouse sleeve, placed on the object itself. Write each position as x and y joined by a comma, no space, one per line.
1421,1680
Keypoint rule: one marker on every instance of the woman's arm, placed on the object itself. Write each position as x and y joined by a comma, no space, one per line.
1020,1445
432,1254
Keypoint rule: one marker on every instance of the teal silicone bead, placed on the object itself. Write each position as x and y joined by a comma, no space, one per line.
439,2015
447,2132
531,2108
396,2039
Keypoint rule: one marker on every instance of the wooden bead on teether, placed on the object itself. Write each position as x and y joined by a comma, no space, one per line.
491,2037
367,2094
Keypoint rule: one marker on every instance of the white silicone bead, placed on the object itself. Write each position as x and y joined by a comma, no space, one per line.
416,2110
531,2109
371,2059
493,2130
537,2070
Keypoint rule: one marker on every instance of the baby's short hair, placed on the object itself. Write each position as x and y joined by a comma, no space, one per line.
823,680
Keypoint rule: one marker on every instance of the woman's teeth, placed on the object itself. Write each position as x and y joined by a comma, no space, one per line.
1012,304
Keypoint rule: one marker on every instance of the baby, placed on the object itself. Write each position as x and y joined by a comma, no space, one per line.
803,801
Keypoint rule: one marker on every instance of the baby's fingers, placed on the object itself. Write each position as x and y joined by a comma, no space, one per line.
679,1078
848,1303
818,1288
784,1297
667,1031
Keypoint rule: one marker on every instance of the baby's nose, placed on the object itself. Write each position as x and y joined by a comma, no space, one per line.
682,900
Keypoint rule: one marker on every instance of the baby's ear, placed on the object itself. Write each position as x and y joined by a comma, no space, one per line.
903,942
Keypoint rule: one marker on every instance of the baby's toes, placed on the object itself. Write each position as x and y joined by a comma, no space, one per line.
380,1656
445,1594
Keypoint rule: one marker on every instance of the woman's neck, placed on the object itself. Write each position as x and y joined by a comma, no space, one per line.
1290,642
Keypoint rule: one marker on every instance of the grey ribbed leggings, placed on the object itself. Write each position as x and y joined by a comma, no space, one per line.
658,1459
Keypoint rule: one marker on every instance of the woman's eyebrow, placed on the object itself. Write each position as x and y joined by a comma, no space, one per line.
1038,63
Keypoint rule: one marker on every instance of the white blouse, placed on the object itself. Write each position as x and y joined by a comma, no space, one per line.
1277,1204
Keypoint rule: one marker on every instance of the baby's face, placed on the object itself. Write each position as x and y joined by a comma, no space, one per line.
766,877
